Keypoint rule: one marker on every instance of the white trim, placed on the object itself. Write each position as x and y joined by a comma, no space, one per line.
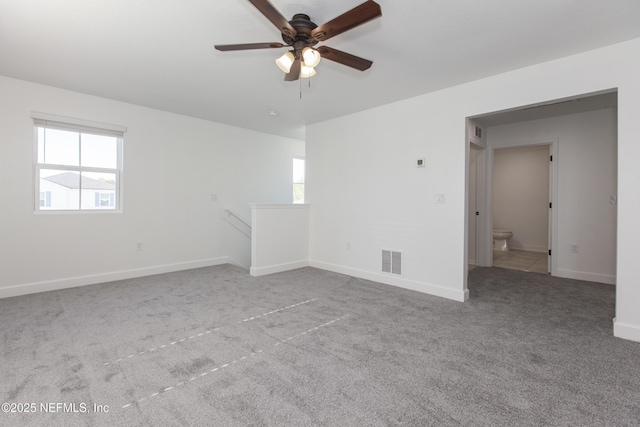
426,288
626,331
78,122
528,247
73,282
279,206
608,279
278,268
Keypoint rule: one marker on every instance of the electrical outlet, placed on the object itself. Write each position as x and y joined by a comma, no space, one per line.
574,248
139,246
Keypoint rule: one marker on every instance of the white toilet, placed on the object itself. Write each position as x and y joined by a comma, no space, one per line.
501,240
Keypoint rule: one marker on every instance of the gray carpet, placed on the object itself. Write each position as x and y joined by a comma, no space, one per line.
216,347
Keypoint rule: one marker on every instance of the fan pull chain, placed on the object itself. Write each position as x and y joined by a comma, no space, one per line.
309,85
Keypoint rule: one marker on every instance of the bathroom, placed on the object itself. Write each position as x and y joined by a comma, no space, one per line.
581,226
521,210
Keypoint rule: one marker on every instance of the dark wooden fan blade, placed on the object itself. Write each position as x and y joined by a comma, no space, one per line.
294,73
246,46
272,14
358,15
344,58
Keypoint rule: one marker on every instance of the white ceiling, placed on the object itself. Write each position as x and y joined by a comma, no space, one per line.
159,53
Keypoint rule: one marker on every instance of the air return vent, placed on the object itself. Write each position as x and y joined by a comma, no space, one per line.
391,262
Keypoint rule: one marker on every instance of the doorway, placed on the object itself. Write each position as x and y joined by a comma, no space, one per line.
582,229
521,207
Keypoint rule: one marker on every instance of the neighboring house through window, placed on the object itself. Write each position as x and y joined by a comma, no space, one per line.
45,199
105,199
78,166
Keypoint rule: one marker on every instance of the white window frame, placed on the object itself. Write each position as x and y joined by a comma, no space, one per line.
82,126
304,179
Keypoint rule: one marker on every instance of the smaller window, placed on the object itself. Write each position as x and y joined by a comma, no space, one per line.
78,165
298,179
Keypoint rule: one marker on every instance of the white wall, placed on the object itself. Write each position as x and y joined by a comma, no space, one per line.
279,237
586,181
367,195
364,188
172,165
521,196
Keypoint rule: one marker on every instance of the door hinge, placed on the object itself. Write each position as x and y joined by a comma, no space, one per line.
549,251
550,205
477,213
551,158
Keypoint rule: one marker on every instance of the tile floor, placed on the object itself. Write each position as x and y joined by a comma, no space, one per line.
535,262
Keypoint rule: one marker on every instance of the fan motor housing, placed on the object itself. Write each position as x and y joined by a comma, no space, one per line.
303,26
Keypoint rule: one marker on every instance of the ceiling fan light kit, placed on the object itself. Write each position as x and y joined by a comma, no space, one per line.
306,72
301,34
311,57
285,62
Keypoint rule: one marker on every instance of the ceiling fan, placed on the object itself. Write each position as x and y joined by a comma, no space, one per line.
301,35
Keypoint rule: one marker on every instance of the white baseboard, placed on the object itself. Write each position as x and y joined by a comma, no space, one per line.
439,291
72,282
530,248
270,269
586,276
626,331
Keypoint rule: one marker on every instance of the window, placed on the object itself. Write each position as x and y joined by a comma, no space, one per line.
298,179
78,166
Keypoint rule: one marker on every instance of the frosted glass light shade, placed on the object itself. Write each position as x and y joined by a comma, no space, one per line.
285,62
311,57
306,72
